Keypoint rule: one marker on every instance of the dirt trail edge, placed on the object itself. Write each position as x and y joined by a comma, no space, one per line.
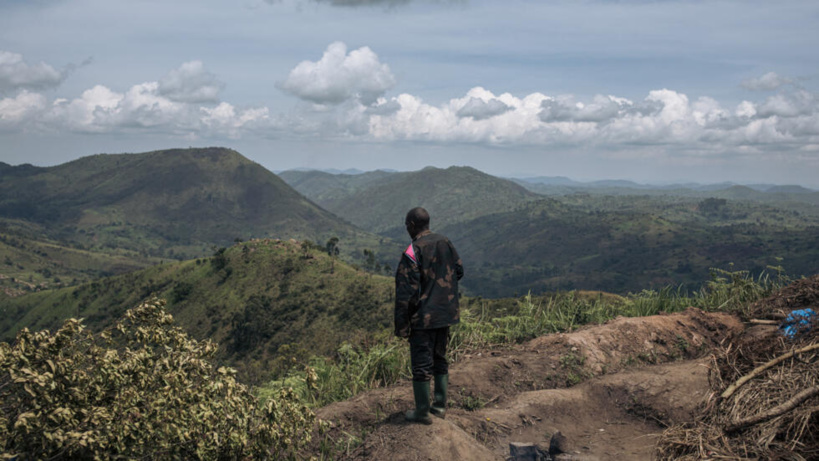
636,375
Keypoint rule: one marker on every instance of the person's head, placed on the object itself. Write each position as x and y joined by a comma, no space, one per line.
417,220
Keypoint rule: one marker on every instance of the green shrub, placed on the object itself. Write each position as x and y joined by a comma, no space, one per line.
351,371
143,389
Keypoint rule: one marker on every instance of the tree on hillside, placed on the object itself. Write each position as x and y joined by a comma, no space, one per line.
332,250
711,206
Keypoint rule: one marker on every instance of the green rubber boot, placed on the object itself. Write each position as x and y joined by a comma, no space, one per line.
420,389
438,407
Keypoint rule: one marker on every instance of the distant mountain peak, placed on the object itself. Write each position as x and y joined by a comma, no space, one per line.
211,194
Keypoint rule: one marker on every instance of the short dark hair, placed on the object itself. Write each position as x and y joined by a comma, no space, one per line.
419,217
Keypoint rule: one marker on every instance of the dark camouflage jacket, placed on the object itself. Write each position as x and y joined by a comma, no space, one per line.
426,285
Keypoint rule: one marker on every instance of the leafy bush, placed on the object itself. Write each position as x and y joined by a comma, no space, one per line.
143,389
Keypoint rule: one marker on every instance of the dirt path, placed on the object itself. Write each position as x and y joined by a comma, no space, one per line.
637,375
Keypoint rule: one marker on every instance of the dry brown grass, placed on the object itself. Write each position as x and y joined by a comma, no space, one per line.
747,424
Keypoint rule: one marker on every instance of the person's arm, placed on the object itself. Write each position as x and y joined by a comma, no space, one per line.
459,267
407,287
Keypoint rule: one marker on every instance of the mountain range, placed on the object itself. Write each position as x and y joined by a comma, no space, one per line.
106,215
606,237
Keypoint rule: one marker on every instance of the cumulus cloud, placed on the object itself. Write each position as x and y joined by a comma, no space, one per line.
767,82
21,108
181,103
417,120
339,76
191,83
600,109
799,102
15,74
663,117
384,107
348,91
228,120
479,109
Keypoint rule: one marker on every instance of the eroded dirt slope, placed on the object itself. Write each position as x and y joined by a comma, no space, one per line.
638,375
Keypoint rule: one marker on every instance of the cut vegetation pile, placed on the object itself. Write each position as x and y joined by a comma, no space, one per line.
765,400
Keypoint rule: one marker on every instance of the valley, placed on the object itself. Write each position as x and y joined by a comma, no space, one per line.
290,276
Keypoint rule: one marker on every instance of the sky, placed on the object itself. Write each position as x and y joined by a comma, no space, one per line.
651,91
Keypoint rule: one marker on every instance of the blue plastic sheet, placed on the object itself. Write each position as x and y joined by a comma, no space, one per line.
798,323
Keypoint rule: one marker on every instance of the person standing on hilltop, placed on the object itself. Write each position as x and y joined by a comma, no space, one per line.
426,305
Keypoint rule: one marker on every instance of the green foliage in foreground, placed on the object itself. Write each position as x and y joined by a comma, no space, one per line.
495,323
143,389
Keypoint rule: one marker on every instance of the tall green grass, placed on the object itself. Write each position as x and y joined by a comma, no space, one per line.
352,370
357,368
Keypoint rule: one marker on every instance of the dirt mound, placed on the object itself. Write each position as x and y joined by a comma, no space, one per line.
519,394
613,416
801,294
401,441
766,386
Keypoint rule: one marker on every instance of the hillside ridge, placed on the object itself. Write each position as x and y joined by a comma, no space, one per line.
169,204
252,298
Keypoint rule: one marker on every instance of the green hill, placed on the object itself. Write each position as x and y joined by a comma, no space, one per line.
378,201
137,208
261,300
597,245
320,186
183,196
581,237
30,262
794,198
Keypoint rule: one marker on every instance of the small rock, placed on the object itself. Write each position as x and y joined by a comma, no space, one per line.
558,444
519,451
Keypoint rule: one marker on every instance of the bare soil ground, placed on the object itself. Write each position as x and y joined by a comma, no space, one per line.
609,389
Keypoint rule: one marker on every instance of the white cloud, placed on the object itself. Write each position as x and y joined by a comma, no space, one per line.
479,109
17,74
348,92
417,120
799,102
665,117
146,106
90,112
225,119
565,108
767,82
745,109
338,77
384,107
191,83
21,108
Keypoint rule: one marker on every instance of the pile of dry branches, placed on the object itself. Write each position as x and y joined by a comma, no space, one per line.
765,393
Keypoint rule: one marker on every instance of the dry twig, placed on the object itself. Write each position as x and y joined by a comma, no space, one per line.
790,404
731,389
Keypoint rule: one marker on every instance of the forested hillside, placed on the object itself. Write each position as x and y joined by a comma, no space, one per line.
581,236
107,214
547,246
378,201
259,299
